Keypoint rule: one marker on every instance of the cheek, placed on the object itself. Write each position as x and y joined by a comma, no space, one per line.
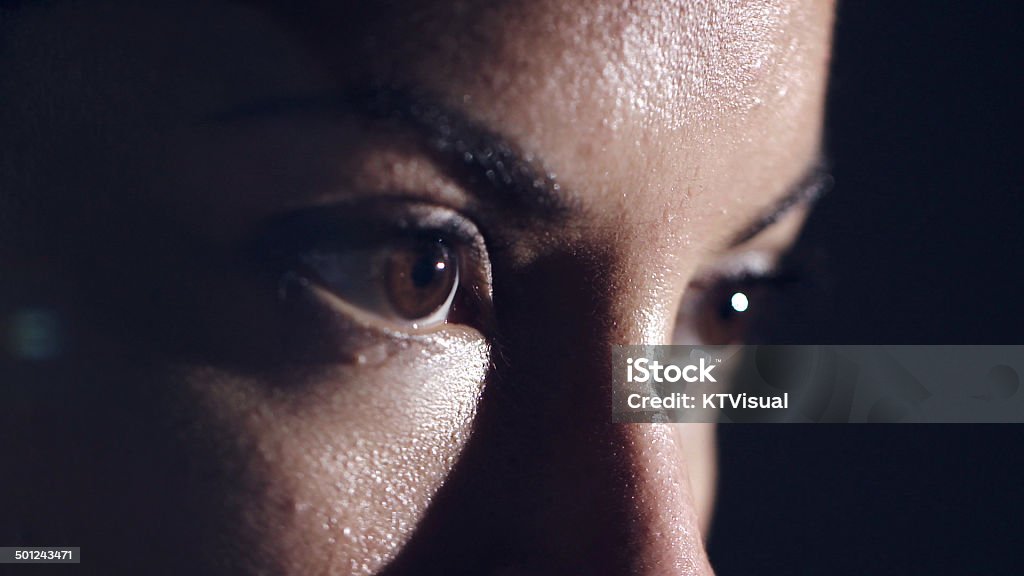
333,471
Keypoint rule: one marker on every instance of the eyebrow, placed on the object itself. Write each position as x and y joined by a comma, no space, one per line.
814,183
472,153
476,155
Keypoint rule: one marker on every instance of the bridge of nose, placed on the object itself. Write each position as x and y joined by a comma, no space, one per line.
548,484
590,490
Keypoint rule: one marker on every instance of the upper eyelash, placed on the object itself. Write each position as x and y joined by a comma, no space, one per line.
783,274
781,270
290,234
737,270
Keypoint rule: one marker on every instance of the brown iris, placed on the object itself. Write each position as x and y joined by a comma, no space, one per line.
420,277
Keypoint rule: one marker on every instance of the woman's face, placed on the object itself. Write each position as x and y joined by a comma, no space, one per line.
336,287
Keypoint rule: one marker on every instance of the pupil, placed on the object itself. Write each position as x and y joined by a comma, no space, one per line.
427,268
726,311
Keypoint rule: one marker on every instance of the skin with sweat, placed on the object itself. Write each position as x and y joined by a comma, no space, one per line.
202,420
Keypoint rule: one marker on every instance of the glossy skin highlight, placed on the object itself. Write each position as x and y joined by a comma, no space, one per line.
465,448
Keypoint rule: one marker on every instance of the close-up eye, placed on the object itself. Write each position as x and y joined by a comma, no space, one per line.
410,281
422,277
409,269
723,306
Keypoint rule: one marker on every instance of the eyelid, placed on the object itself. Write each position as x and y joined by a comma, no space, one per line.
366,320
748,264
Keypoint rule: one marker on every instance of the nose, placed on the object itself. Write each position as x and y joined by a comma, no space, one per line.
549,485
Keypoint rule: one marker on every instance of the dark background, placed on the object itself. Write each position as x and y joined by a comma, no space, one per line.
920,242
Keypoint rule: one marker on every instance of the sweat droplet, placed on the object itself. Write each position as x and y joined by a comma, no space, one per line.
371,355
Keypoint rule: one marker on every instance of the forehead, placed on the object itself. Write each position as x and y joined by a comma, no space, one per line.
661,65
651,101
659,100
667,62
